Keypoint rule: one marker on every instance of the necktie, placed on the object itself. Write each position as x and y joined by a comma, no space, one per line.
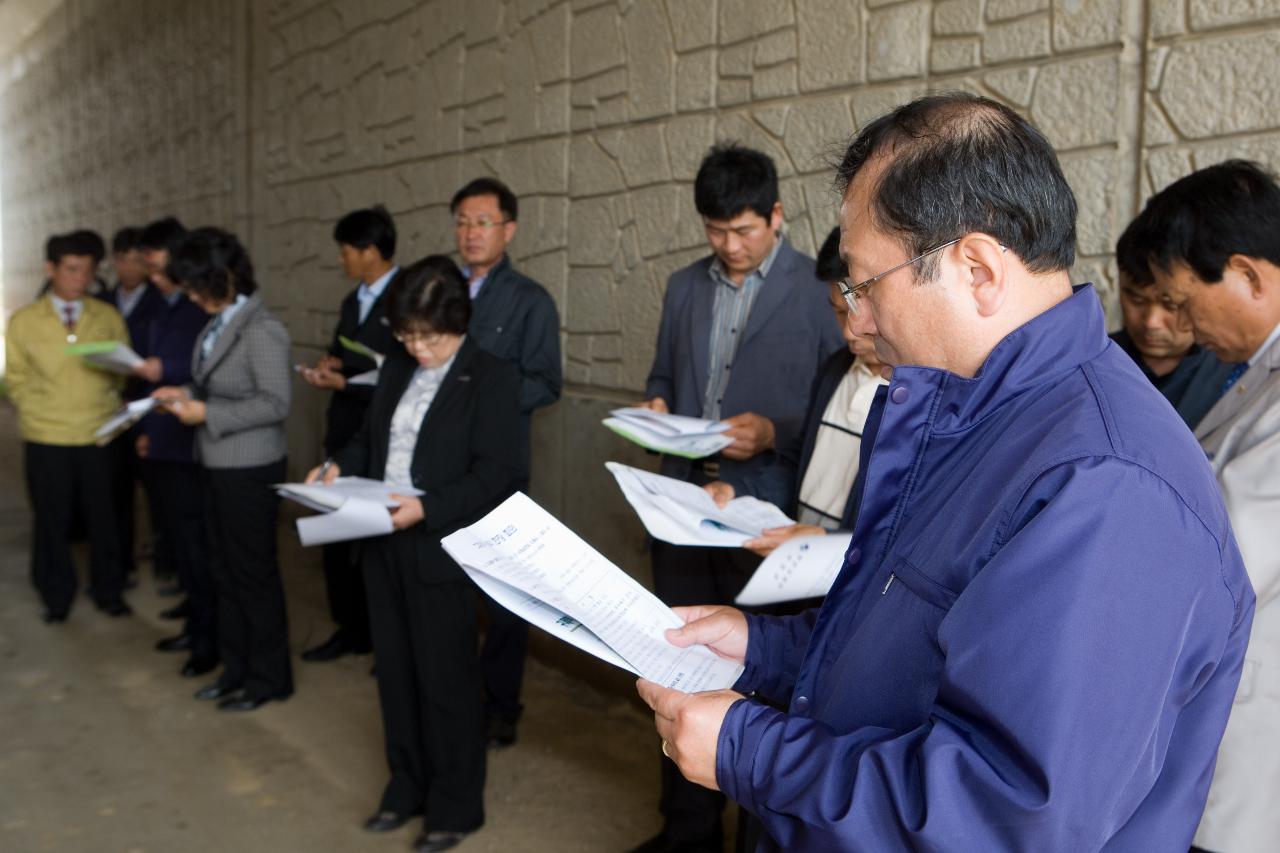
69,317
1234,376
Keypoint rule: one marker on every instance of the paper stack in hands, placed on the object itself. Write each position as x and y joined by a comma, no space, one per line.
803,567
108,355
354,507
679,435
360,349
684,514
543,572
126,417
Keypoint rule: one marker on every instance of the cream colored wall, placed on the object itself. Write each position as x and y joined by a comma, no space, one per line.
275,117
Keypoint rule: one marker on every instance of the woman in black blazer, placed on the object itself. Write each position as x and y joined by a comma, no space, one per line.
445,419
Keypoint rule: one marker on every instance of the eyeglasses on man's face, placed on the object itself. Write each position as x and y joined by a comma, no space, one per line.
483,224
852,293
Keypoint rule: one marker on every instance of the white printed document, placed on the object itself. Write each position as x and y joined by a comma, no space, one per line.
804,567
109,355
684,514
678,435
353,507
126,417
555,580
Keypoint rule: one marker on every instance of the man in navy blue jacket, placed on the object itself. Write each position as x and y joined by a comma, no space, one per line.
167,446
1040,624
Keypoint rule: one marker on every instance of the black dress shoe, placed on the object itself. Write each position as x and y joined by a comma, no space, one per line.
385,821
499,732
199,665
438,839
660,843
115,608
54,617
180,643
217,690
178,611
331,649
245,702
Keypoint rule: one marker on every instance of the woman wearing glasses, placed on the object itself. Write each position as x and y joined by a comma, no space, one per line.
445,420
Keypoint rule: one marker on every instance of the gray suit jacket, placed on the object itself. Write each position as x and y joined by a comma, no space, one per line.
790,332
245,384
1241,435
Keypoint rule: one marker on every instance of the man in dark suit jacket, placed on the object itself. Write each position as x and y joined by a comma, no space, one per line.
813,477
514,318
166,446
366,244
742,335
139,303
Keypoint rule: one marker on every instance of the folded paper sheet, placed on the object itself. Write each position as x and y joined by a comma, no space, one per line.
558,576
353,507
678,435
804,567
684,514
126,417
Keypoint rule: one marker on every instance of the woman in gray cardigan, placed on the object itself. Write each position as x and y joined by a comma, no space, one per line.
238,400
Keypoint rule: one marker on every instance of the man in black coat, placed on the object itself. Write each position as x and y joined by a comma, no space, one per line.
366,245
514,318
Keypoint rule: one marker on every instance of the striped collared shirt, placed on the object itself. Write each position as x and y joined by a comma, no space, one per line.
728,323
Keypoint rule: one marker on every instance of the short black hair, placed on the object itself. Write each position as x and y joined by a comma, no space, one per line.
1131,254
370,226
127,239
212,263
830,267
82,243
164,233
1203,219
507,201
961,163
429,294
733,179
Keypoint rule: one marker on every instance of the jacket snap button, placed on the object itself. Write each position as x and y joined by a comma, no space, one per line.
900,394
854,556
801,704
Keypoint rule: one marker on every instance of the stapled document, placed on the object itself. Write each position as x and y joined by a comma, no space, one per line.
803,567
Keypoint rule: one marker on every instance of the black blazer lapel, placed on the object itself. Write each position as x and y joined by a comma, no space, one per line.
457,382
701,307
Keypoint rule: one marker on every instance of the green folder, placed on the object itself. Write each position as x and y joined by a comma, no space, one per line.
92,347
629,436
359,348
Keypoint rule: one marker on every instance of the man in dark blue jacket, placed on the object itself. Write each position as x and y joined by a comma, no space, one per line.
514,318
1038,631
743,332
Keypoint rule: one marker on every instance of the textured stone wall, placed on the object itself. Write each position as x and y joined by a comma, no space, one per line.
275,117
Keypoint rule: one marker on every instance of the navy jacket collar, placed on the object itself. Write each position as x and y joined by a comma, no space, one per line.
1046,347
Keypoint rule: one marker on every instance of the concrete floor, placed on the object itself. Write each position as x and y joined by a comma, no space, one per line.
103,749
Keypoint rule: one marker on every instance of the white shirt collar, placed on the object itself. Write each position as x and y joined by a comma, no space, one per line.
375,290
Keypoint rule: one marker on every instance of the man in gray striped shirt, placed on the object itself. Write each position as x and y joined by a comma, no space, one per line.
742,335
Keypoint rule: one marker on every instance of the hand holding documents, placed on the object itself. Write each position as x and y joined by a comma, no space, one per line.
542,571
360,349
692,438
804,567
126,417
684,514
108,355
354,507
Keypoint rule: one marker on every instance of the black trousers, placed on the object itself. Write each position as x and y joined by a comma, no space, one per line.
125,474
506,642
344,585
60,480
424,642
684,576
253,631
178,498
